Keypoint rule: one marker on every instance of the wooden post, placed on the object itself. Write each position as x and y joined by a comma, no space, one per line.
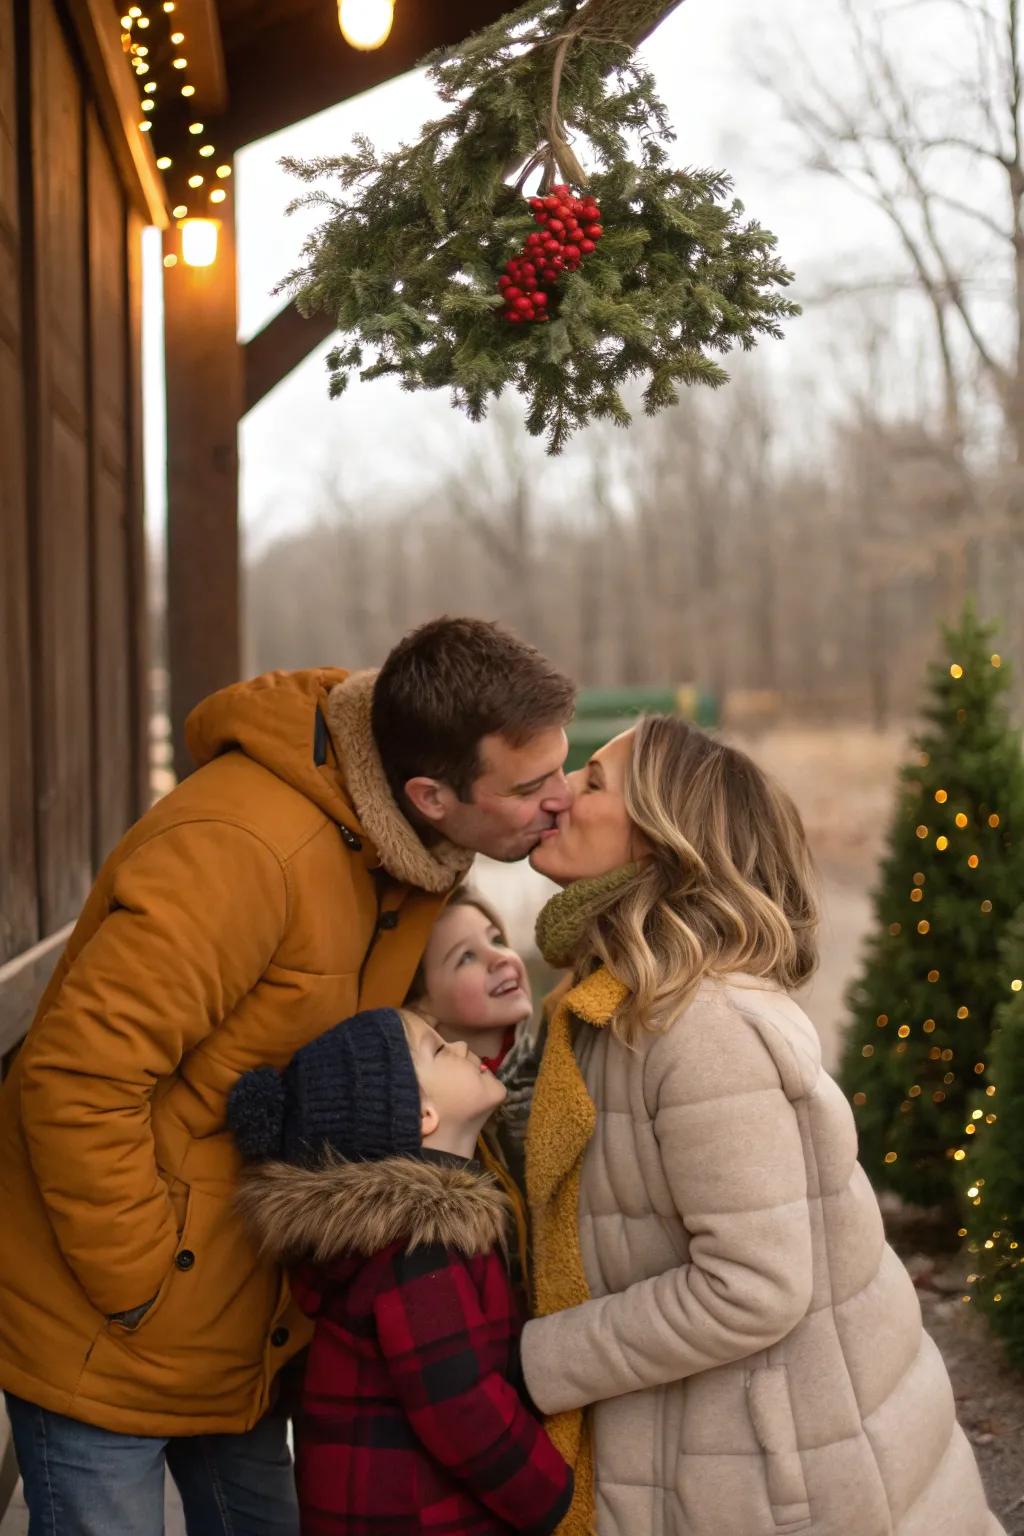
204,405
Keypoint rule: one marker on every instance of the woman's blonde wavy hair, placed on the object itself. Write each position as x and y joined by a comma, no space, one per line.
730,885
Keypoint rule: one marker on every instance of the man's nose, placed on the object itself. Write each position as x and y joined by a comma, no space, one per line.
559,797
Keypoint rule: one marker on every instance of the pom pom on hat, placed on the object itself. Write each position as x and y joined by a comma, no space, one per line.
256,1113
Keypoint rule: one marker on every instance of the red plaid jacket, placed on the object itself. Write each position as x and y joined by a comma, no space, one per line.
412,1420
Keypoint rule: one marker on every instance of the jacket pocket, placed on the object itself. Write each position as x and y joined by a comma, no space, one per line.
771,1414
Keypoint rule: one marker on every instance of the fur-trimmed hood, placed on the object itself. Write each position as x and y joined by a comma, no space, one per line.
403,854
318,1214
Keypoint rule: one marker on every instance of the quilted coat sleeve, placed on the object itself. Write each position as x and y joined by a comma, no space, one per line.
433,1332
195,917
733,1158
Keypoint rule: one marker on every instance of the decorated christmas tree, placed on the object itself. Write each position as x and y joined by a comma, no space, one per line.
994,1166
441,269
917,1050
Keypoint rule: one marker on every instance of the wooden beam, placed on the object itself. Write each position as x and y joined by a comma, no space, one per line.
283,73
204,405
22,983
281,346
95,24
199,21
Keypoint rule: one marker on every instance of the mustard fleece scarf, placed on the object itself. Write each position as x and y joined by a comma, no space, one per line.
562,1122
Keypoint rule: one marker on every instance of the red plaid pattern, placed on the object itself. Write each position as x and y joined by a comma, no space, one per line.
411,1422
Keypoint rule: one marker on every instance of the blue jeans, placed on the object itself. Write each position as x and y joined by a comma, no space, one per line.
84,1481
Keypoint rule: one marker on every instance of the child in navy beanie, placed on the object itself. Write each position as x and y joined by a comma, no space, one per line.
361,1179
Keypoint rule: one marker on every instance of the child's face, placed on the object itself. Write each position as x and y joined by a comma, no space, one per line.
456,1088
473,979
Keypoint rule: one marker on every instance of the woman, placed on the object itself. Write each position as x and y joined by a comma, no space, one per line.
710,1265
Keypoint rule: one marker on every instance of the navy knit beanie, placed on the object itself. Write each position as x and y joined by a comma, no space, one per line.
353,1091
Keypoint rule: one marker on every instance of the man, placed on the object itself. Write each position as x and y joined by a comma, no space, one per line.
291,881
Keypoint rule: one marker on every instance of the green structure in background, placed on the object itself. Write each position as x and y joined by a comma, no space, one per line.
602,713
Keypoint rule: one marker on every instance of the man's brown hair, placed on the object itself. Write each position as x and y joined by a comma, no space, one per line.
450,683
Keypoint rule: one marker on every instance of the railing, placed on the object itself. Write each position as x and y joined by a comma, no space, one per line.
602,713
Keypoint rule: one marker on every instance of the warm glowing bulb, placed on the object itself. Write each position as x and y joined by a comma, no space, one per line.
188,90
942,843
164,163
177,37
147,106
145,126
996,660
168,6
1015,986
218,195
143,21
196,181
179,63
206,150
195,127
180,211
365,23
199,242
141,68
151,87
993,820
941,796
134,12
961,819
171,260
956,671
223,170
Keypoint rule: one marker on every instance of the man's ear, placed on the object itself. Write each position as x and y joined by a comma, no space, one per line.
428,798
429,1119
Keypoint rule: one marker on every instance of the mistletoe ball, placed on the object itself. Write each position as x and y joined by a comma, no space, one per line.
570,228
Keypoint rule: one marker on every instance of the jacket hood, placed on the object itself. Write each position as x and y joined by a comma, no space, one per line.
273,720
319,1214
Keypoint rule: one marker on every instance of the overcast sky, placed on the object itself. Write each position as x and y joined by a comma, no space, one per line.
379,442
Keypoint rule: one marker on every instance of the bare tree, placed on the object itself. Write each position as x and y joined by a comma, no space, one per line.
943,160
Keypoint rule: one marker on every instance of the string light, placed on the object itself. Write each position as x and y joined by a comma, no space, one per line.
993,820
973,861
199,234
956,671
961,819
942,843
941,796
996,659
928,1026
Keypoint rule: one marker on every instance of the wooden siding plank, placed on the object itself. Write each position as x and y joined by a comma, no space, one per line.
109,476
61,681
18,915
137,568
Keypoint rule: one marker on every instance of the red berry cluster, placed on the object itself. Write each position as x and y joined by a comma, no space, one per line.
570,229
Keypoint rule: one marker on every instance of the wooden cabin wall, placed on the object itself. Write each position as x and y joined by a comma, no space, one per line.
73,726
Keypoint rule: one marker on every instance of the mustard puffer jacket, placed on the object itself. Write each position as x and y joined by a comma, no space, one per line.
273,893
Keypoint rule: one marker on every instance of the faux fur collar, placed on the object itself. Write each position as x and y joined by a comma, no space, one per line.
403,854
317,1214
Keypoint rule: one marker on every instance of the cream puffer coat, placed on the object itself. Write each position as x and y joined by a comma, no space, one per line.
753,1347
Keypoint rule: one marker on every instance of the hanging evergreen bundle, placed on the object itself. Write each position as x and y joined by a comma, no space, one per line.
916,1053
408,256
995,1162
